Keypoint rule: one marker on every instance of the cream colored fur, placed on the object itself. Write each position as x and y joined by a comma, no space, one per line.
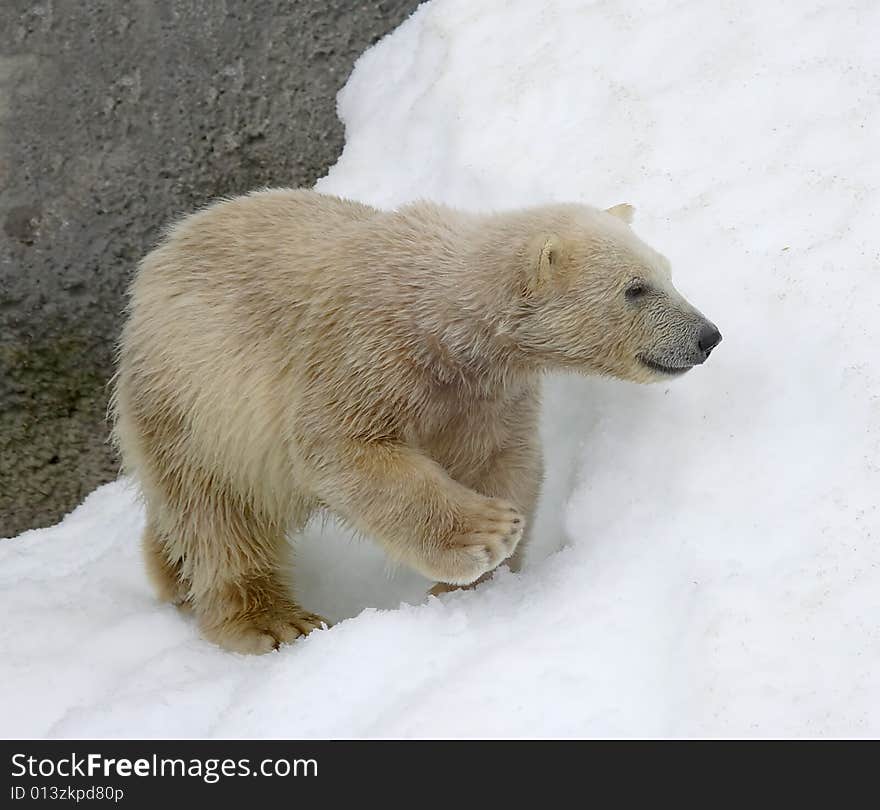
287,352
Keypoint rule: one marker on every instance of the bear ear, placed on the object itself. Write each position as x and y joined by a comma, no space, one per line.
548,260
623,211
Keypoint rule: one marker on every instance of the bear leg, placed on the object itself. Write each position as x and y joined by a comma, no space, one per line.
254,614
232,559
164,572
410,504
247,605
513,474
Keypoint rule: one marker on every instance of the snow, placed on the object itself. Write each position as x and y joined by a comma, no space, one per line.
707,553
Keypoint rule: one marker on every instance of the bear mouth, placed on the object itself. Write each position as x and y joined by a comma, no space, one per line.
671,371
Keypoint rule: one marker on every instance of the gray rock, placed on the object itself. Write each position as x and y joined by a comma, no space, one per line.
115,118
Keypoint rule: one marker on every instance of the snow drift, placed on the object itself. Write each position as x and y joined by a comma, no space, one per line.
707,553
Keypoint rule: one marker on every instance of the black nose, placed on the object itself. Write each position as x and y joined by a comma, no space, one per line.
708,338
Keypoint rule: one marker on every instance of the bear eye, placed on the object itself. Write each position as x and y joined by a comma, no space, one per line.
635,290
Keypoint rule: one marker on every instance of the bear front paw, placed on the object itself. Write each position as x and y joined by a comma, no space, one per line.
488,536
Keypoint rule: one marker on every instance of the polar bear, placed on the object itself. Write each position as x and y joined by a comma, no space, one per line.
287,352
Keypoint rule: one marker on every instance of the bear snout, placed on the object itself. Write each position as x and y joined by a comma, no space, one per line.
708,337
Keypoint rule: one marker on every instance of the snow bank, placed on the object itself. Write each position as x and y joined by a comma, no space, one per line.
721,569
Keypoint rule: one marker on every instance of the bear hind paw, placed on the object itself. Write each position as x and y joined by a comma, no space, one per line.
264,631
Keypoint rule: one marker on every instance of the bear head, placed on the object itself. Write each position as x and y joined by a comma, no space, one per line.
593,297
